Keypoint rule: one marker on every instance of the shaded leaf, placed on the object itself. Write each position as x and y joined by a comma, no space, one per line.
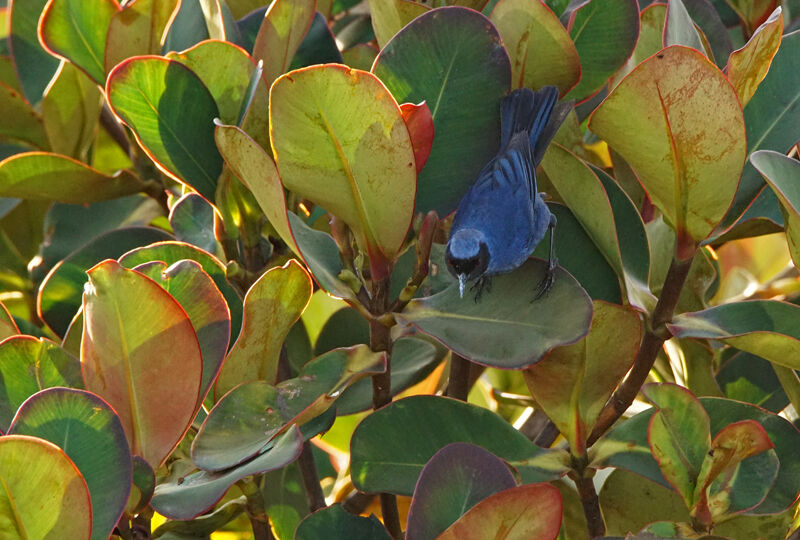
21,123
192,221
749,378
137,30
679,28
390,16
144,483
753,12
748,66
272,305
650,41
505,328
335,523
91,434
453,59
282,30
129,321
26,50
319,46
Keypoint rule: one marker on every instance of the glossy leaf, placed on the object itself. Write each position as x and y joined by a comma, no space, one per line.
59,297
137,30
604,33
505,328
199,297
766,328
453,59
28,365
771,117
254,413
44,493
541,51
21,123
171,252
53,177
336,523
390,16
225,70
192,221
529,511
748,66
129,321
76,30
456,478
91,435
70,110
170,111
679,28
188,496
272,305
26,50
687,144
782,174
282,30
419,122
315,131
384,456
572,384
679,436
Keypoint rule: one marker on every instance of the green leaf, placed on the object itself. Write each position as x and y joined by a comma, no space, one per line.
254,413
170,111
8,327
529,511
129,320
192,221
541,51
76,30
187,28
189,496
43,492
748,66
21,123
771,117
319,46
604,33
453,59
204,525
341,123
679,28
59,297
384,456
456,478
390,16
91,434
171,252
749,378
649,42
28,365
256,169
335,523
782,174
52,177
688,161
137,30
225,70
506,327
197,294
26,50
284,26
285,500
766,328
678,436
70,110
272,305
144,483
572,384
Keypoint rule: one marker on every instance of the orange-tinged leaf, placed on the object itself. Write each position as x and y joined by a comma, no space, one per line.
21,123
753,12
140,353
540,49
691,144
419,122
748,66
528,512
283,29
138,29
7,325
342,124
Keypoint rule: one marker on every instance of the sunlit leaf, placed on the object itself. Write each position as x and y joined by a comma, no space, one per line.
541,51
753,12
21,123
419,122
390,16
91,434
282,30
43,492
130,321
272,305
138,29
70,110
748,66
7,325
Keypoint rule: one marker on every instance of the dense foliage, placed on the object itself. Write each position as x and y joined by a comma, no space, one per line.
224,298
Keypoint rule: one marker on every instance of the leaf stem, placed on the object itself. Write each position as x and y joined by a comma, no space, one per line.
591,505
115,130
458,386
653,339
256,509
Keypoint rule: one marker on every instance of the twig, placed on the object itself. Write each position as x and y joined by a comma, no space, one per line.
653,339
115,130
458,386
256,509
308,470
357,502
591,505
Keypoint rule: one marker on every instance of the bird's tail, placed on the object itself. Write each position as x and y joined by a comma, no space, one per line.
535,113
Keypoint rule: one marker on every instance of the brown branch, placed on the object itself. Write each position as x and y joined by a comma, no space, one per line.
256,509
308,470
653,339
458,385
115,130
591,505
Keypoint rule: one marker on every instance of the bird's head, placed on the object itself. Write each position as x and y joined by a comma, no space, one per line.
467,256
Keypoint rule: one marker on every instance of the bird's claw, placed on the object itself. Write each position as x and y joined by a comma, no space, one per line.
547,281
481,284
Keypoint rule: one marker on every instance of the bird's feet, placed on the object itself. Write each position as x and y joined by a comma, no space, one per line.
482,283
548,280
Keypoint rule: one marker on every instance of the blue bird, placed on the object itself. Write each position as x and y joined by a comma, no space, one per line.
503,217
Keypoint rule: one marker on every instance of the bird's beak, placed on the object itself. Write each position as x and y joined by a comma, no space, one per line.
462,281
